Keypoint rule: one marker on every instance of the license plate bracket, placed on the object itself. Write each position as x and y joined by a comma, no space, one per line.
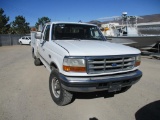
114,88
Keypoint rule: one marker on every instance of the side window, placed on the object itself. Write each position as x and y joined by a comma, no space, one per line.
43,29
53,36
46,33
23,37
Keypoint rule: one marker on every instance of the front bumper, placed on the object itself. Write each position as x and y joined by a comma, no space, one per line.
99,83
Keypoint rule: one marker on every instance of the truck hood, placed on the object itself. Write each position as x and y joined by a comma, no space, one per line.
95,48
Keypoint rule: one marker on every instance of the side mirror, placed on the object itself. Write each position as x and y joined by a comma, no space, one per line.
40,27
38,35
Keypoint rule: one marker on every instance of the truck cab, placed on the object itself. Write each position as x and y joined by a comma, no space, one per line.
80,59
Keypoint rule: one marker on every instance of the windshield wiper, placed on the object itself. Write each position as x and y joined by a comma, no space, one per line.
94,39
70,38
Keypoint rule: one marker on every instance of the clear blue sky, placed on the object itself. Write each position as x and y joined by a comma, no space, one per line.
75,10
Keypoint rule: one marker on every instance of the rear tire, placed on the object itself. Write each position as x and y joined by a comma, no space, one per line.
33,54
37,62
59,95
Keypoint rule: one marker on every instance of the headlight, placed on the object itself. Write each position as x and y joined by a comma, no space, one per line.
138,60
74,65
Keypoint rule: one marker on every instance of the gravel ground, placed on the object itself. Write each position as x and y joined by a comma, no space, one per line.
24,93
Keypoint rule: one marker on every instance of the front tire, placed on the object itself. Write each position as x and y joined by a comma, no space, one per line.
59,95
20,43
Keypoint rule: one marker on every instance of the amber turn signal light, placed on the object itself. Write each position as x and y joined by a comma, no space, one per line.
137,63
74,69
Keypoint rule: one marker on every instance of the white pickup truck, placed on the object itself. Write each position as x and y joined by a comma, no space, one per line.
80,59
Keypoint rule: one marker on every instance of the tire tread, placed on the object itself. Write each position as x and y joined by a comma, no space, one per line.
65,97
37,62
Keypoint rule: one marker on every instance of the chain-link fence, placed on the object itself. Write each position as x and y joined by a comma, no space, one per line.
9,39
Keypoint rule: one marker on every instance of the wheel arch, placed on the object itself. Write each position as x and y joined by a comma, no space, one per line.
53,65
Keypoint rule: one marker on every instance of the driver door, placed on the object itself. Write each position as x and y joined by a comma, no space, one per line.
44,43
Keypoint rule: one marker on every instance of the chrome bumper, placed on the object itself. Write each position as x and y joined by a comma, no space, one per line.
99,83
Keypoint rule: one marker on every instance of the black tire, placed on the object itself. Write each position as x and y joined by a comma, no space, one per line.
59,95
124,89
33,54
20,43
37,62
29,43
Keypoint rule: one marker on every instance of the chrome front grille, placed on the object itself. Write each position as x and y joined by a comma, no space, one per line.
109,64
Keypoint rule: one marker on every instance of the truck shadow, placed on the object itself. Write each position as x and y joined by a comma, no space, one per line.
93,95
149,112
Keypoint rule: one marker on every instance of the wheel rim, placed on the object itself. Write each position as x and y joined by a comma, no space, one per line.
56,87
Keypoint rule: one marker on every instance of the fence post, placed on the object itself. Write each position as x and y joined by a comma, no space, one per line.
10,39
0,41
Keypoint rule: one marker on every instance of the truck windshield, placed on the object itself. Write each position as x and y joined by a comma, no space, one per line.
76,32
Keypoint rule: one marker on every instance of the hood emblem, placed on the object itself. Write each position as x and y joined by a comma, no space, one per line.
114,64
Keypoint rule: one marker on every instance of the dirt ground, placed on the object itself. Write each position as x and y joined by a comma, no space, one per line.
24,93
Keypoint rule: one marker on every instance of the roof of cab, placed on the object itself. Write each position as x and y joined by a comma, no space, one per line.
80,23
